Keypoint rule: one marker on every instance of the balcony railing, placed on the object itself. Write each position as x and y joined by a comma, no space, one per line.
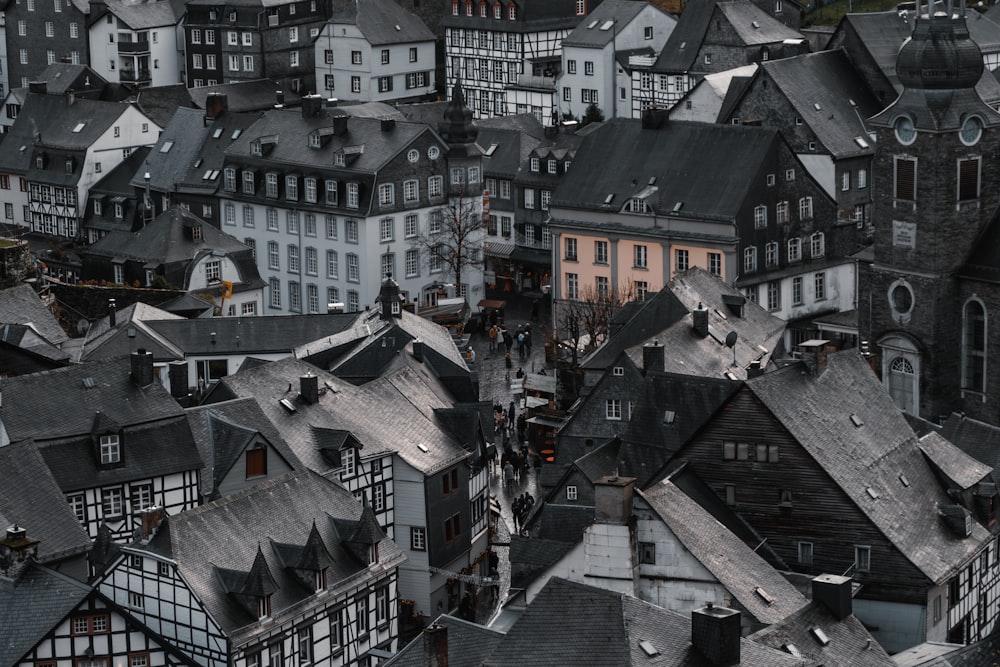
133,47
130,76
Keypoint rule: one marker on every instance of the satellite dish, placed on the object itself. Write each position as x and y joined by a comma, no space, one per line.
731,339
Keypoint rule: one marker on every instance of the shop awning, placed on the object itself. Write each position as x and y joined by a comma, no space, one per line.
538,256
546,421
495,249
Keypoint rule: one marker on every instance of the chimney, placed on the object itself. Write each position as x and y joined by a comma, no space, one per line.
654,118
699,316
70,96
653,356
756,369
112,309
418,349
142,367
613,499
177,372
388,124
215,105
309,388
835,593
957,518
436,646
16,551
814,353
40,87
340,125
715,633
279,98
311,105
150,519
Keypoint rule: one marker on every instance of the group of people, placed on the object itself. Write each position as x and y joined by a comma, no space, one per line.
521,508
502,338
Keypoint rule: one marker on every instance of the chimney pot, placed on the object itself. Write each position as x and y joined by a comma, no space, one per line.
112,310
418,349
715,633
309,388
142,367
653,356
699,316
436,645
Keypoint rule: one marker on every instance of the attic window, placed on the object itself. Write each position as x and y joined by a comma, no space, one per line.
491,150
609,198
856,420
817,107
167,145
79,127
255,148
422,447
764,595
196,232
236,134
110,449
88,382
197,163
618,370
861,142
755,25
668,416
646,647
819,635
871,492
314,141
592,24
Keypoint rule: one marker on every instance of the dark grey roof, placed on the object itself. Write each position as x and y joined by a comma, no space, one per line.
384,22
531,556
225,535
222,432
106,342
736,566
30,497
682,46
62,403
952,655
597,628
851,645
589,33
754,26
533,15
870,456
977,439
636,323
144,15
161,102
22,305
564,523
62,77
703,165
30,342
245,96
835,111
468,644
31,606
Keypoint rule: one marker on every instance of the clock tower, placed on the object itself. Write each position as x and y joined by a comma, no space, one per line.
935,197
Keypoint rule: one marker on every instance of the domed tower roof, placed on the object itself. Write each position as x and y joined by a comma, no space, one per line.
940,55
457,127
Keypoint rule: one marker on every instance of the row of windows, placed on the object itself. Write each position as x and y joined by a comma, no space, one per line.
307,189
782,214
480,69
968,178
112,499
50,58
772,295
494,41
312,297
588,67
50,30
498,10
817,249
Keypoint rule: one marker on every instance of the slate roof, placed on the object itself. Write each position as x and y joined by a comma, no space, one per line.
468,644
737,567
533,15
26,339
161,102
394,413
640,321
222,432
145,15
30,497
598,628
227,533
977,439
703,165
682,46
59,404
31,606
844,101
851,645
981,653
384,22
22,305
106,342
870,456
956,466
244,96
589,34
531,556
563,523
753,25
61,77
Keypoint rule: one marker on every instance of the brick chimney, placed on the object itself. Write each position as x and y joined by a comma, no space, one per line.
813,353
150,519
16,551
699,317
142,367
715,633
436,646
309,388
178,374
653,356
311,105
613,499
834,592
112,313
340,124
216,104
418,349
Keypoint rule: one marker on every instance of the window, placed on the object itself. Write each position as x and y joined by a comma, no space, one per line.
771,254
410,225
805,553
968,178
974,347
613,408
274,291
248,63
411,191
273,256
529,198
449,482
312,262
355,57
571,492
248,39
862,558
388,264
602,287
570,249
293,259
78,506
760,217
601,252
293,34
352,201
715,263
213,271
572,286
452,528
781,212
210,37
94,624
353,268
50,29
248,216
806,208
581,7
112,502
110,449
647,552
386,194
906,178
680,260
249,184
862,178
640,256
571,67
817,244
412,262
588,68
332,264
819,285
351,230
435,186
845,181
735,451
773,295
234,63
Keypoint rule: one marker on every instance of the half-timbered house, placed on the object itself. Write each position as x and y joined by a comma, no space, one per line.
291,571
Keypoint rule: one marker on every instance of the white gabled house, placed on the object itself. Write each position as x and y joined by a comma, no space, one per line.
136,43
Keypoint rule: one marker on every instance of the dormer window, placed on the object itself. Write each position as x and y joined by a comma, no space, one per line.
196,233
40,161
69,165
636,205
319,580
256,462
314,141
395,307
372,554
263,606
119,211
535,164
97,207
255,148
110,449
339,160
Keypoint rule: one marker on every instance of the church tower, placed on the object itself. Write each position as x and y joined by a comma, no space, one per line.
936,193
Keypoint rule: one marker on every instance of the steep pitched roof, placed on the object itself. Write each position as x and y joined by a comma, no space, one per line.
703,165
229,533
753,25
867,461
145,15
737,567
468,644
591,33
22,305
682,46
25,338
384,22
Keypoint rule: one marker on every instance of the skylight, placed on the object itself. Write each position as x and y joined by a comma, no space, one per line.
167,145
817,107
871,492
236,134
668,416
607,25
491,150
422,447
819,635
79,126
764,595
609,198
903,480
288,405
592,24
861,142
856,420
793,649
648,648
217,133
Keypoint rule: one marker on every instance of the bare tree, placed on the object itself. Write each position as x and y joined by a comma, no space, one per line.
453,240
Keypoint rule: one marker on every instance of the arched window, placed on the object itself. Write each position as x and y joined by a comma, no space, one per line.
468,8
482,10
901,372
512,12
974,347
497,10
901,382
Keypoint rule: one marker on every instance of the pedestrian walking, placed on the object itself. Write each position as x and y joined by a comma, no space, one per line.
511,411
493,337
508,476
534,310
508,340
527,341
507,362
516,508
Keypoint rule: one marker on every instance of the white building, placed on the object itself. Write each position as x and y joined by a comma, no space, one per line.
375,50
136,44
590,71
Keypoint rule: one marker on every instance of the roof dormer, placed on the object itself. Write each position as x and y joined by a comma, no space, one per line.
252,589
106,440
309,563
262,146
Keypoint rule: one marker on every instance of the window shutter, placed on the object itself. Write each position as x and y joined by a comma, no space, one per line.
906,172
968,180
